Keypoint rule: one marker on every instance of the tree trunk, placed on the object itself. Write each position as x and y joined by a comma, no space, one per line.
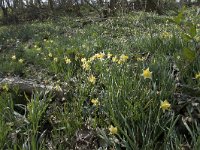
31,2
112,6
77,9
50,3
38,3
5,12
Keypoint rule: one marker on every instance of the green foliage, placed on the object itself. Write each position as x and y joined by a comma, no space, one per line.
189,36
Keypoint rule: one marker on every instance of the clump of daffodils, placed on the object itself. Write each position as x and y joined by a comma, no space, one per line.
92,79
113,130
165,105
147,73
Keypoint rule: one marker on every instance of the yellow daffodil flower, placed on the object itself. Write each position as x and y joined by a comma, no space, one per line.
13,57
166,35
86,65
100,56
113,130
109,55
95,101
83,60
21,61
140,58
114,59
92,79
123,58
165,105
58,88
50,55
147,74
38,49
67,60
197,76
55,59
92,58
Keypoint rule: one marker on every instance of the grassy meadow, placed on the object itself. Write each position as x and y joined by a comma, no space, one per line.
129,82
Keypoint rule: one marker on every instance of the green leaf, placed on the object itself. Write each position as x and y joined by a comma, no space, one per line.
186,37
189,54
193,31
178,19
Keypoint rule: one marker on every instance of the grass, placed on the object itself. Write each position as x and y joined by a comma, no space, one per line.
115,52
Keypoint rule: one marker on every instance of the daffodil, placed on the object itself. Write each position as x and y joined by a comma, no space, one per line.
147,74
58,88
166,35
84,46
113,130
197,76
13,57
55,59
95,101
76,57
114,59
67,60
50,55
38,49
92,79
100,56
83,60
21,61
92,58
165,105
140,58
86,65
123,58
109,55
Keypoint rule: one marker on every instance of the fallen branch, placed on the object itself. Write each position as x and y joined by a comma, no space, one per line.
29,86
